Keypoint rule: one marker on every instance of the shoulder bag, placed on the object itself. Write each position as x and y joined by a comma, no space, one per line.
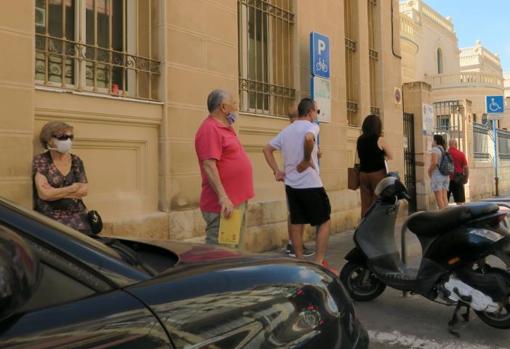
353,174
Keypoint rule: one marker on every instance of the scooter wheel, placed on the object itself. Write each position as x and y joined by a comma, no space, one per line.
501,319
361,283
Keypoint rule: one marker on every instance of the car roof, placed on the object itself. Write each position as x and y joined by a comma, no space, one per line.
69,241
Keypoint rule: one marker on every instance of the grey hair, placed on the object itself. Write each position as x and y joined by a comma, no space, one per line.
215,98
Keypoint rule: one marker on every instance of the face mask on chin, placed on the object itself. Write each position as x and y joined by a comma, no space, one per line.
63,147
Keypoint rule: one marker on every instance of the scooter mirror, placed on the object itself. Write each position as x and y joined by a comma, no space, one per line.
393,174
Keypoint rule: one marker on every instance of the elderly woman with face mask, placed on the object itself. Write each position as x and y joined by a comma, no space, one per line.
59,178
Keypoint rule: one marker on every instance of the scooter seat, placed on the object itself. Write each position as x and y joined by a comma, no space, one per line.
434,223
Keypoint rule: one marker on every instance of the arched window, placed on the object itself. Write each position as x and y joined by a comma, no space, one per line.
439,61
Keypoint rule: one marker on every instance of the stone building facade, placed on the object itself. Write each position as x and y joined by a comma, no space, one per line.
454,82
132,78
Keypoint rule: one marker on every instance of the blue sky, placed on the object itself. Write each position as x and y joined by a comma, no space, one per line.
484,20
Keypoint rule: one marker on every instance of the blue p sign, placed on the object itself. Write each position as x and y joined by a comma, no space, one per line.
319,52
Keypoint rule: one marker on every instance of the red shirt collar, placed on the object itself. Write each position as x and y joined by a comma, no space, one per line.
219,123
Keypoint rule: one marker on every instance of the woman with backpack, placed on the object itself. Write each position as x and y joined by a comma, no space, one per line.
439,178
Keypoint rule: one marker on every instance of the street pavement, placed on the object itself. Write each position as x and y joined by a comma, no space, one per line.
413,322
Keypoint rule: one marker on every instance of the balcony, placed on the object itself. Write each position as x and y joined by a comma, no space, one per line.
469,79
408,29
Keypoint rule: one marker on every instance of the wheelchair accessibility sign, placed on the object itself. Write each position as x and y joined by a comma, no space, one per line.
495,105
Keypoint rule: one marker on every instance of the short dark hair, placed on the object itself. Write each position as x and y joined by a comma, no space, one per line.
52,129
305,106
439,139
372,126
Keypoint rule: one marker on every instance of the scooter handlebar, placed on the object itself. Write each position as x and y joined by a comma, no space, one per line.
406,196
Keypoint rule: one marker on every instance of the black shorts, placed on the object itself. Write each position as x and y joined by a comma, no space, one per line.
457,190
308,206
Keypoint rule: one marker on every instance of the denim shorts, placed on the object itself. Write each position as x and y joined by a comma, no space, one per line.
439,182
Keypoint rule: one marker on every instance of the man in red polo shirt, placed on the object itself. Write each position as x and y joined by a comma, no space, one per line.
227,178
460,174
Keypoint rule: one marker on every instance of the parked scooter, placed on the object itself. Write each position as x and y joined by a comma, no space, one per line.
455,268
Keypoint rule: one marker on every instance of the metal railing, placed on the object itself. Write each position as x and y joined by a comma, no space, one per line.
351,90
481,141
373,55
504,145
375,110
59,64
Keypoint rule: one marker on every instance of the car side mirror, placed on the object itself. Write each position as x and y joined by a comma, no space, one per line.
19,272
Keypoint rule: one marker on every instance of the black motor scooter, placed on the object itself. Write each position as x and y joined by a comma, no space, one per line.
455,268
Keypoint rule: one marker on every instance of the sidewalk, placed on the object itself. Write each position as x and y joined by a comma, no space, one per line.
341,243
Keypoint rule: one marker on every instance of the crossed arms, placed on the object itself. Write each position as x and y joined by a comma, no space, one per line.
48,193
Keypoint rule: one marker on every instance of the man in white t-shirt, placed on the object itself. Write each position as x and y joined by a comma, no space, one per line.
307,252
307,199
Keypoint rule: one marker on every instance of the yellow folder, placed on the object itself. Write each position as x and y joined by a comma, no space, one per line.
230,228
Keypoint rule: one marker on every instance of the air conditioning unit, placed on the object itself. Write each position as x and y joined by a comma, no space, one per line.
40,17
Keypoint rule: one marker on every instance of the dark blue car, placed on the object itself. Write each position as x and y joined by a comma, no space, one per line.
62,289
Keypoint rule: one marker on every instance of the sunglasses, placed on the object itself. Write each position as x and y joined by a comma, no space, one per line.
64,137
318,111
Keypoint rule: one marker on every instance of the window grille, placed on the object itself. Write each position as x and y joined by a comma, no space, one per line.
450,121
373,54
350,21
504,144
266,83
443,122
102,46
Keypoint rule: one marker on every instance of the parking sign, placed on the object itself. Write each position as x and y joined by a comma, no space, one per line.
319,52
321,94
494,104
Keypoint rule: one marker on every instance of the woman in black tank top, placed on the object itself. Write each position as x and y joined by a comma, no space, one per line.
372,152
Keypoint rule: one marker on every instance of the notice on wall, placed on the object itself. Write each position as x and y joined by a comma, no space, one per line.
321,94
428,119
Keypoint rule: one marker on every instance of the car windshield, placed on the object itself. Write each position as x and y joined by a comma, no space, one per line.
76,235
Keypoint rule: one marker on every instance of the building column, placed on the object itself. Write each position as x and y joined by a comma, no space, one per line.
415,96
16,99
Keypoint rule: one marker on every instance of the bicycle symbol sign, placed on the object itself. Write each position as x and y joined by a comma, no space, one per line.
321,66
494,104
319,55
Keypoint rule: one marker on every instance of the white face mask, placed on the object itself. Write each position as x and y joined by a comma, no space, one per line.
63,147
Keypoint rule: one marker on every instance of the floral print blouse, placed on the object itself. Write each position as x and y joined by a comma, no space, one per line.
71,212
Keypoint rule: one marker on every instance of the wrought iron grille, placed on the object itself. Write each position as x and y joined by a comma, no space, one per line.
504,144
95,46
373,55
481,136
352,107
450,121
410,160
375,111
266,84
350,14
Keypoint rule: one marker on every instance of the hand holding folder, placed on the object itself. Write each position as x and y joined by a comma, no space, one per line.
230,228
